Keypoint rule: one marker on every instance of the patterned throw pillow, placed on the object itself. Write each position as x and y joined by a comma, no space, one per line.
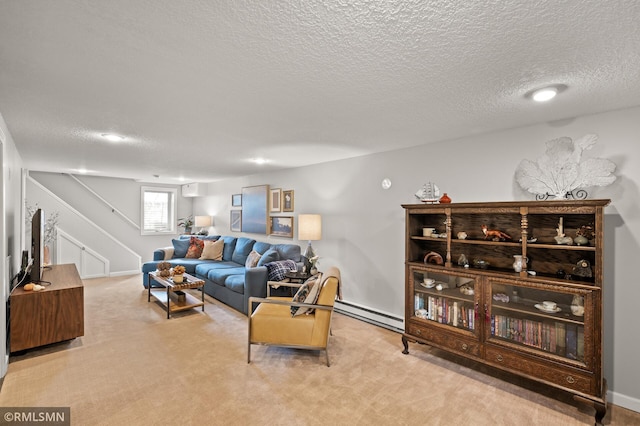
277,269
212,250
195,248
252,259
307,293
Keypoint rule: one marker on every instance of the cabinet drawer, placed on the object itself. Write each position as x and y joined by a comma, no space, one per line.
450,342
565,377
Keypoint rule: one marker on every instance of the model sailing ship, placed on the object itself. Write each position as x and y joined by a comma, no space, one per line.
429,193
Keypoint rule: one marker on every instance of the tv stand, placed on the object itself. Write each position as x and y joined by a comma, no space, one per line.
52,315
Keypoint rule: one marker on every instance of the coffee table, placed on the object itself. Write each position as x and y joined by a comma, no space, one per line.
176,303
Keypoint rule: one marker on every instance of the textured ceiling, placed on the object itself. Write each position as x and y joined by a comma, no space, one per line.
216,83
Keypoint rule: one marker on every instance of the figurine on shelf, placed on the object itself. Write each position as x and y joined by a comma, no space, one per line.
494,234
561,238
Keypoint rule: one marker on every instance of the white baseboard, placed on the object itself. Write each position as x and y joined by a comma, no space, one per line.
624,401
372,316
121,273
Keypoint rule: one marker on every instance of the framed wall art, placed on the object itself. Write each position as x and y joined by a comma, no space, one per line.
282,226
275,200
236,200
287,200
254,209
235,221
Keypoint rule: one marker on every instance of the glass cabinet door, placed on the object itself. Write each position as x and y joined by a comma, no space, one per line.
541,318
444,298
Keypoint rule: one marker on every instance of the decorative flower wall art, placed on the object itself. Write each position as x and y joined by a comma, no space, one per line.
563,169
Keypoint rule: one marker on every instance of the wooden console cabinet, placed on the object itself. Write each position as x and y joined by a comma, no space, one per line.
52,315
492,311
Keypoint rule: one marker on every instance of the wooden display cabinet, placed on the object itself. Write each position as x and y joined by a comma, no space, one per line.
464,295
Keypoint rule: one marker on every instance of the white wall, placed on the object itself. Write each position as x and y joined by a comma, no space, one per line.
123,195
363,225
10,227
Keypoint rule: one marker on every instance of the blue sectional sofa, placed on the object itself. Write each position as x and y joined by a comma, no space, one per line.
228,280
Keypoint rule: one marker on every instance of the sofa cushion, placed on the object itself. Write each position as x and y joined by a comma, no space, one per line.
288,251
220,275
261,247
229,247
242,250
278,269
180,247
212,250
270,255
195,248
235,283
307,293
252,259
203,269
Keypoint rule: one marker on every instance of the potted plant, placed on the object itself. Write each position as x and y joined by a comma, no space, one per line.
186,223
178,270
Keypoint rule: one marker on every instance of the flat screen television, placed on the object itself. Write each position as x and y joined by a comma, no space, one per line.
37,246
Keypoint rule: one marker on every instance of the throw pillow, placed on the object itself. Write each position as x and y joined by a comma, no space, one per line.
180,248
212,250
195,248
307,293
252,259
277,269
271,255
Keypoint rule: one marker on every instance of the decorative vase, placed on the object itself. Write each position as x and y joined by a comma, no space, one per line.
445,199
187,230
178,278
577,306
580,240
519,262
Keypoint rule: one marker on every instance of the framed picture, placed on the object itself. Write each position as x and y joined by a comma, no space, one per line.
236,200
235,222
287,200
282,226
255,201
275,200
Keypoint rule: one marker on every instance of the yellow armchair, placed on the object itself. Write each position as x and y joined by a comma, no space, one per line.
272,324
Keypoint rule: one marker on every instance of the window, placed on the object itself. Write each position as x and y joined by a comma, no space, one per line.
158,206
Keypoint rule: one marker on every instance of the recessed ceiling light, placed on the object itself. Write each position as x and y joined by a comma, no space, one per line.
260,160
544,95
112,137
547,93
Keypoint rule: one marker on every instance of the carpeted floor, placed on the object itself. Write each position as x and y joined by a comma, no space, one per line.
135,367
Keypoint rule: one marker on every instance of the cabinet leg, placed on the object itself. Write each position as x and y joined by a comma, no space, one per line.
405,343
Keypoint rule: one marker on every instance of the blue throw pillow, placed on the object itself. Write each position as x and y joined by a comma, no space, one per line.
268,256
180,248
277,269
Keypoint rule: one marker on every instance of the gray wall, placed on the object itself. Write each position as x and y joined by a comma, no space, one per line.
363,224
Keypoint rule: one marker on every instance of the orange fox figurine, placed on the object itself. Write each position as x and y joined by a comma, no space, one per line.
494,233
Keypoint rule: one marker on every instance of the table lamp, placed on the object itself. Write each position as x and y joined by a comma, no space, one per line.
203,222
310,229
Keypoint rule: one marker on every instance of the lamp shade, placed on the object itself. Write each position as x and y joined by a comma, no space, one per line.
203,221
309,227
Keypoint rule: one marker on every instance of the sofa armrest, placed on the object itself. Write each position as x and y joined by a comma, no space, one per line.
164,253
255,280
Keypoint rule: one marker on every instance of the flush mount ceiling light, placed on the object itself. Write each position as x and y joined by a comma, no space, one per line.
112,137
259,160
546,93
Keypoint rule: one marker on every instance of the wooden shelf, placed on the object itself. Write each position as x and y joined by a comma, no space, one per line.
558,349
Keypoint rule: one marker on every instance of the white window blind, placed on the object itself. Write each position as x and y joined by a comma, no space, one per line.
158,206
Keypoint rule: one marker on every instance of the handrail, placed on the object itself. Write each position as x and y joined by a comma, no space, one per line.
99,197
